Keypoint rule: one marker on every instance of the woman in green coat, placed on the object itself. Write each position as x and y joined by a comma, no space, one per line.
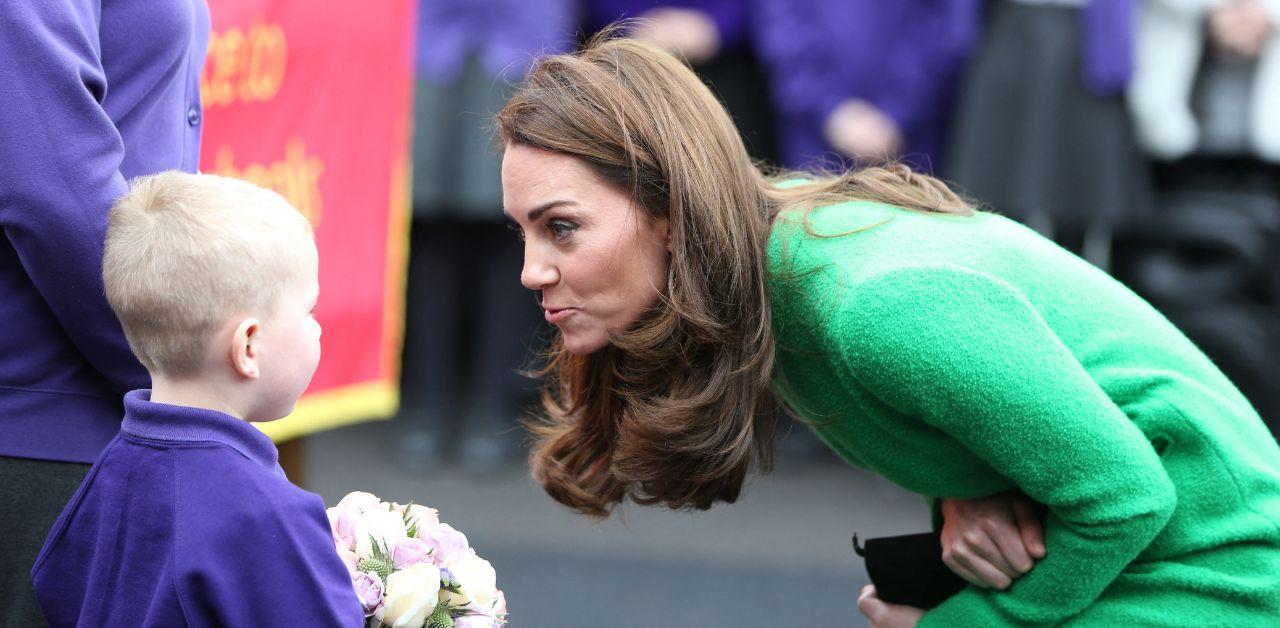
953,351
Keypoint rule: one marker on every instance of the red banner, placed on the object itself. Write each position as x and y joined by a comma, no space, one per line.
312,99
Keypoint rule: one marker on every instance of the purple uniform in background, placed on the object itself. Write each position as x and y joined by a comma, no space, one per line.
730,16
903,57
94,93
187,520
506,34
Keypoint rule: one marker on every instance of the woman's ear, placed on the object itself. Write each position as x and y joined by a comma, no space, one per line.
662,231
244,349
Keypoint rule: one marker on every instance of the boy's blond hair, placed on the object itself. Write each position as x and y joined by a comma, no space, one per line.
185,252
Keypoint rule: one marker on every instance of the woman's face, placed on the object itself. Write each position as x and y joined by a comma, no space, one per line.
596,261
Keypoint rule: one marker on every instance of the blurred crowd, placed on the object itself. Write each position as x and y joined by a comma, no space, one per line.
1143,135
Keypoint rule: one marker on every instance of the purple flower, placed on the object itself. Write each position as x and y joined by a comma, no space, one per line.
410,551
443,541
369,589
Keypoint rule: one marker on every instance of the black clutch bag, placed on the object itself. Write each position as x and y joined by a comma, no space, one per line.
909,569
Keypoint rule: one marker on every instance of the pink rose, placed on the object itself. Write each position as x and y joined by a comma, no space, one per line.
343,517
410,551
479,616
344,529
476,621
369,589
423,516
444,542
500,604
348,557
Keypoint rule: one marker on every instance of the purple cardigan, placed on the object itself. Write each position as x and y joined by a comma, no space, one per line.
730,16
901,56
94,93
187,520
505,34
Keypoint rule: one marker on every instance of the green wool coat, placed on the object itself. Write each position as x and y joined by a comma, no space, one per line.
965,356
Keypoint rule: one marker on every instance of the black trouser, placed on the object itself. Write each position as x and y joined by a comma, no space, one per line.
32,495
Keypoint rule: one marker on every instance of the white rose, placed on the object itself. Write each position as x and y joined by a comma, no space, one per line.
360,501
411,596
476,577
384,526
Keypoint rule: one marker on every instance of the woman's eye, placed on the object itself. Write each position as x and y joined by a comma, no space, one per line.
516,228
561,228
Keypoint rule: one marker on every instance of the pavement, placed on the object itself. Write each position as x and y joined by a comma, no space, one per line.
780,556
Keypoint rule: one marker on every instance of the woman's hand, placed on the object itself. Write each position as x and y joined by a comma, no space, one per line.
885,615
991,541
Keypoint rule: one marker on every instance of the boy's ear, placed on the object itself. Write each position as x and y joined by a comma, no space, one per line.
244,350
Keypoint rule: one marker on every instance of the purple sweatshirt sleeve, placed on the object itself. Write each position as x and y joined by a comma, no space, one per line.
253,550
802,68
928,51
60,171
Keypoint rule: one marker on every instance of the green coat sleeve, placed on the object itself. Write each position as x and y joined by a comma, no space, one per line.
968,354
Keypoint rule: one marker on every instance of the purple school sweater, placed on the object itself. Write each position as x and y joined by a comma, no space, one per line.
187,520
92,93
903,57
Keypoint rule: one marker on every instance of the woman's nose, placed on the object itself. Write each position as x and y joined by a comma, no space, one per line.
537,274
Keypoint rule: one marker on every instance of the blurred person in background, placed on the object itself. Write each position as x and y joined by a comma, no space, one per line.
1206,102
468,325
1041,132
868,80
714,37
95,93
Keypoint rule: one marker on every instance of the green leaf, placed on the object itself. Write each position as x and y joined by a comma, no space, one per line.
450,585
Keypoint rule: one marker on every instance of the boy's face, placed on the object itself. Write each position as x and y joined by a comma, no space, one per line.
289,343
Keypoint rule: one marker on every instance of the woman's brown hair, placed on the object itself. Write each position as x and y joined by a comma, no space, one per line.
677,409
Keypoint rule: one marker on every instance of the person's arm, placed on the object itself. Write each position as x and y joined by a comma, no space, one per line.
266,560
60,171
968,354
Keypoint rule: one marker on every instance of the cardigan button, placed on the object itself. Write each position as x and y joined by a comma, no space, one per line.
193,116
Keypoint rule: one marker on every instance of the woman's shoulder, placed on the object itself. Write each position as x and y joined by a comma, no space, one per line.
863,238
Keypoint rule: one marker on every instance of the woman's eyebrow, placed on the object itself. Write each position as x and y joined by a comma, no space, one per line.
538,211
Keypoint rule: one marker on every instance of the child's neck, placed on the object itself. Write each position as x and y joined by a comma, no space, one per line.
193,394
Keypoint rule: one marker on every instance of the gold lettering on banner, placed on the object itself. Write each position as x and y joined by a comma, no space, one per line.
244,66
296,177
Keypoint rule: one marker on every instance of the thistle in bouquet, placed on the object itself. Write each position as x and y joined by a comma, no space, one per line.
410,570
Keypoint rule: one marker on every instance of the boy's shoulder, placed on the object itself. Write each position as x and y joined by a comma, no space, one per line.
214,479
232,512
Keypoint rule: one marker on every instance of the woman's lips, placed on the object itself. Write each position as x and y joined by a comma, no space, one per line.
555,317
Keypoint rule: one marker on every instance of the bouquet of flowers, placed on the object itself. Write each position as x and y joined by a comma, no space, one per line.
412,571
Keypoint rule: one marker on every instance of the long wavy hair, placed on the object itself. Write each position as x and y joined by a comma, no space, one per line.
677,409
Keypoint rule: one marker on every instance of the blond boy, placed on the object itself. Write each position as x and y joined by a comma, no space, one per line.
186,517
